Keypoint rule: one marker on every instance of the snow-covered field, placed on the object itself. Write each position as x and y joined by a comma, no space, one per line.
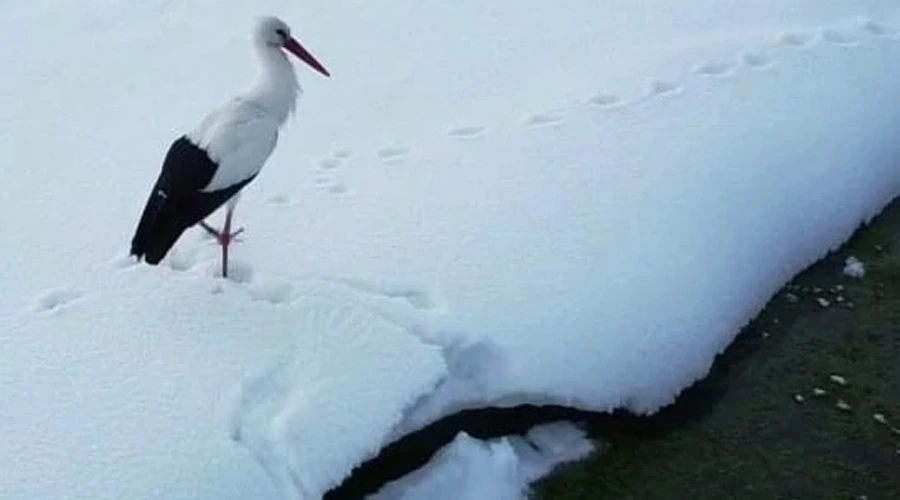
489,203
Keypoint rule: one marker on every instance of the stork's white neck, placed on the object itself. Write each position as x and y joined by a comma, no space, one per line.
275,87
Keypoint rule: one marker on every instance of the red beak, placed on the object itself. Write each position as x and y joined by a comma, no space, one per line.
295,48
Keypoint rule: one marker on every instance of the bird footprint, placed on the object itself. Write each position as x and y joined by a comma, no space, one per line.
715,68
329,163
471,132
54,299
330,184
663,87
542,120
838,38
328,168
756,60
392,155
877,29
796,39
279,200
604,100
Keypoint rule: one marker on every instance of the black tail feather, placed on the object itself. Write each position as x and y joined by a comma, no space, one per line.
146,228
166,216
165,235
161,224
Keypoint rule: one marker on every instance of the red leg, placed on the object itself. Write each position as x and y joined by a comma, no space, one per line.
224,240
224,237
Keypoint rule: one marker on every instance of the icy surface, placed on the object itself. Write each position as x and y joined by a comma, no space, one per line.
576,204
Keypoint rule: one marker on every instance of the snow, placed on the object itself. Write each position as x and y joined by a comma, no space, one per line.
282,411
500,469
854,268
484,205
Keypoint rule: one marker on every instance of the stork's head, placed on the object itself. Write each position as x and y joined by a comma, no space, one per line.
276,34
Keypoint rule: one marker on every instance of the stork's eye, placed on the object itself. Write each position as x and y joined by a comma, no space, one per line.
281,32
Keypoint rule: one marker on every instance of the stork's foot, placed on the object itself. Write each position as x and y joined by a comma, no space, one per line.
209,229
224,239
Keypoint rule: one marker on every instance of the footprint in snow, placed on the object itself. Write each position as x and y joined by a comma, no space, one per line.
663,87
877,29
329,163
330,185
756,60
279,200
55,299
604,100
392,155
543,120
326,180
795,39
466,132
839,38
715,68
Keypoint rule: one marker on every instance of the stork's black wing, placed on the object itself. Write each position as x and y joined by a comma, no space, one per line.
177,202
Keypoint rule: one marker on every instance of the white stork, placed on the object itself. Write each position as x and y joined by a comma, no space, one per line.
208,167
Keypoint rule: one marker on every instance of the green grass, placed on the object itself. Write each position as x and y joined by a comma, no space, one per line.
740,432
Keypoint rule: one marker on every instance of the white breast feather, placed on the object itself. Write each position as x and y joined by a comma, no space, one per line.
239,137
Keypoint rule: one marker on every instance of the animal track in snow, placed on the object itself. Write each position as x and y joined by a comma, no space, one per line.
52,300
604,100
329,163
715,68
330,185
756,60
838,38
466,132
796,39
663,87
877,29
543,119
392,155
327,167
279,200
